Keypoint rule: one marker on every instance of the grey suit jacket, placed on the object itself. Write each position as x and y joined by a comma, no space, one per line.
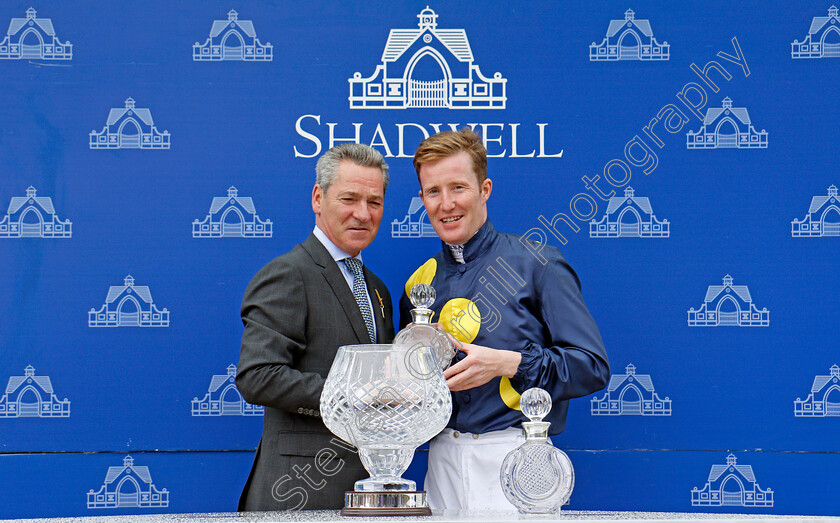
297,311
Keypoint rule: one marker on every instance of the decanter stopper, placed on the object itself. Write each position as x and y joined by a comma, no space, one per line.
535,403
537,478
422,296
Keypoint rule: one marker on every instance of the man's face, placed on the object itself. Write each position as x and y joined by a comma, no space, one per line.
349,213
455,203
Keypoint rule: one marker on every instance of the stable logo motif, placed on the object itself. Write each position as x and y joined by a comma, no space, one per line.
129,128
233,39
427,67
727,127
128,305
824,399
630,394
128,486
232,216
823,218
224,399
415,224
33,217
728,305
629,39
731,485
629,216
822,40
33,38
31,396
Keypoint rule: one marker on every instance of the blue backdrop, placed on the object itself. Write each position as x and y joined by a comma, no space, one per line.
681,155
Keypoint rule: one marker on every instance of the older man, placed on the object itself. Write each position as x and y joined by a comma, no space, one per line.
297,311
521,320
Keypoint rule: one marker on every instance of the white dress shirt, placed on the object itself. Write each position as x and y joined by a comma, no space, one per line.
338,255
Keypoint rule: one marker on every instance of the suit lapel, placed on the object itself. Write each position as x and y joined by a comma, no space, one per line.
336,281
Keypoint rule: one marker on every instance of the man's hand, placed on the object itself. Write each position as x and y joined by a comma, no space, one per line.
481,365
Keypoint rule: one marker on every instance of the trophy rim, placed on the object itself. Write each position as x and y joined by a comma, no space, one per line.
367,346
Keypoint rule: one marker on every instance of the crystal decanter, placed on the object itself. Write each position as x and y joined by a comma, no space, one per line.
421,332
537,477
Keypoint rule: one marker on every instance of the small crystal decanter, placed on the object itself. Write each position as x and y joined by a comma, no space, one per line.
537,477
421,332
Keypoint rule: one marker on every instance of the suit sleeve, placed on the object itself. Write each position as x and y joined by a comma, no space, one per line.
575,363
274,314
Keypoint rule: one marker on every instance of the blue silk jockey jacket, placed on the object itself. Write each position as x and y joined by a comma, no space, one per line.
520,296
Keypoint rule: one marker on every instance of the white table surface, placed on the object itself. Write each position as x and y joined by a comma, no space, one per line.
326,516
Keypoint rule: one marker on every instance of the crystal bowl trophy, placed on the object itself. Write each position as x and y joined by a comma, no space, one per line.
537,477
386,400
421,332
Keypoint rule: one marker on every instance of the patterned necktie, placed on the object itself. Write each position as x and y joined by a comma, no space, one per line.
457,252
360,293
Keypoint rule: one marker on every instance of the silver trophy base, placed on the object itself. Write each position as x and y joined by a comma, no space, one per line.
384,503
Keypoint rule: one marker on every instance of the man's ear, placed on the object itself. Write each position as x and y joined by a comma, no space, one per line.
317,199
486,188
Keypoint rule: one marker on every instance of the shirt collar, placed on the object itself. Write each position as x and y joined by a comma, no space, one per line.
336,253
476,245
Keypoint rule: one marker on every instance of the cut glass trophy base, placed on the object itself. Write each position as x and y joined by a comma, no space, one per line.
385,484
395,503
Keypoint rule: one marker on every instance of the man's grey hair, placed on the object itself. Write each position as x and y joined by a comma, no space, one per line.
326,169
